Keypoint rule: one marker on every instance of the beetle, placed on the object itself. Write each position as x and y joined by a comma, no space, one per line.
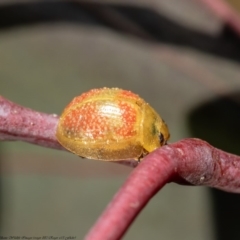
111,124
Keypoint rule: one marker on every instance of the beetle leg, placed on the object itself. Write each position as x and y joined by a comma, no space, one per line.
144,153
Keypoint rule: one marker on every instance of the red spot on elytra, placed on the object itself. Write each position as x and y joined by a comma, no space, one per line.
84,96
128,94
86,121
128,120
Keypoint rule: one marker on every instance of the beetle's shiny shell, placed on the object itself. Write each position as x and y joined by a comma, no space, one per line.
111,124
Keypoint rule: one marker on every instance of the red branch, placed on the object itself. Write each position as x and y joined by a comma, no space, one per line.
23,124
189,161
145,180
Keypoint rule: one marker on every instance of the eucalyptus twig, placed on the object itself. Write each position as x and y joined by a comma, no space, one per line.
23,124
189,161
145,180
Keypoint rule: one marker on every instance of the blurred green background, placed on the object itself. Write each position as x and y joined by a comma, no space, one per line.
44,192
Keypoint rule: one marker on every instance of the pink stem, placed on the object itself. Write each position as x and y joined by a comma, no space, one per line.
199,163
145,180
24,124
192,160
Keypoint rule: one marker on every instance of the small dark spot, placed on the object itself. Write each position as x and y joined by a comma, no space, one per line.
139,103
154,129
161,138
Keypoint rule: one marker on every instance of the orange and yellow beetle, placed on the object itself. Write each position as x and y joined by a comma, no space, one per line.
111,124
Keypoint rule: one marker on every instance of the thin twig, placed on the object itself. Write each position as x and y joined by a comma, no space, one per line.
23,124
